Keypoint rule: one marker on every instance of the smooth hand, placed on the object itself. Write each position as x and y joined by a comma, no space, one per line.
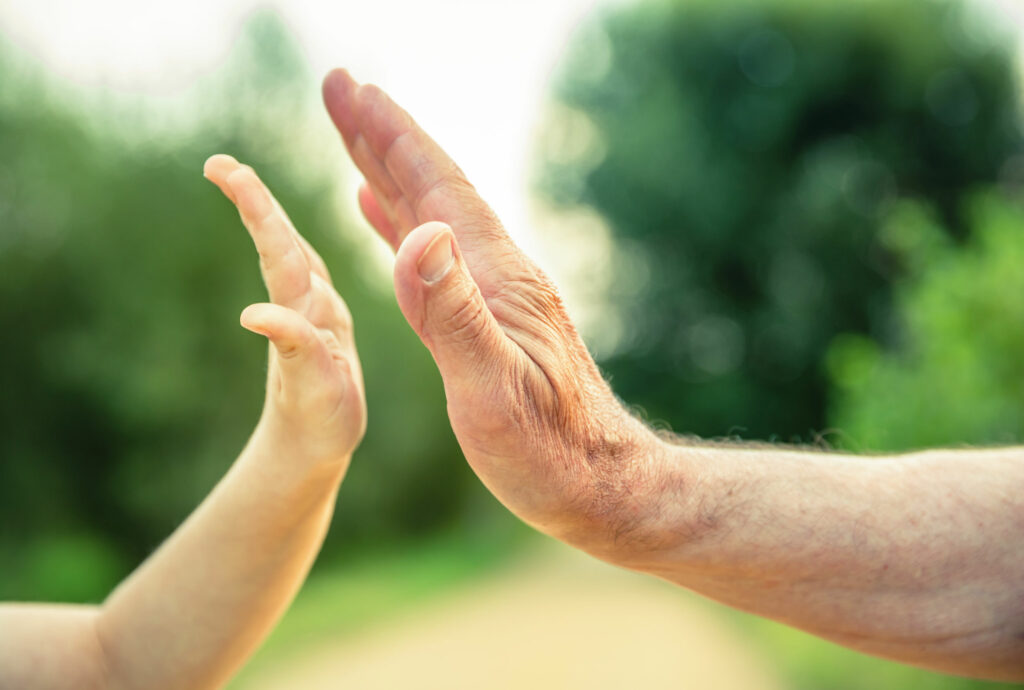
531,411
315,405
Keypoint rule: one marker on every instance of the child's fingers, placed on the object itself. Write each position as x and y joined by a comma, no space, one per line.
313,258
284,260
218,168
304,359
284,265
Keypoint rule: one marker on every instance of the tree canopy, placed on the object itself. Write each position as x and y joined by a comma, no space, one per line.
744,157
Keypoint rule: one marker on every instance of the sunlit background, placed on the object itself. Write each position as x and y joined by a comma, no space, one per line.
774,219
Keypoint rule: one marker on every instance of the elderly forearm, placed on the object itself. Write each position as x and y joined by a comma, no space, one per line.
192,614
917,558
914,557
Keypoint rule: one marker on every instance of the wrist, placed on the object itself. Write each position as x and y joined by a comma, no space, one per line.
638,507
312,438
668,513
293,455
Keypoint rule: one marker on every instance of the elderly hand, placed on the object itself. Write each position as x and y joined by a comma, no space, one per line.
915,557
529,407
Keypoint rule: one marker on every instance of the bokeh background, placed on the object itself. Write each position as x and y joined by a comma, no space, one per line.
783,220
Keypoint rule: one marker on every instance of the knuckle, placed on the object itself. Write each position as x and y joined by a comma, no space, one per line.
295,345
267,220
276,257
448,182
285,271
289,350
466,323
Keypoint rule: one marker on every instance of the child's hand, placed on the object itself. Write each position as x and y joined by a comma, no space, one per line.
315,404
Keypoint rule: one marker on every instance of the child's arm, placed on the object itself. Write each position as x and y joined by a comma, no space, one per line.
194,612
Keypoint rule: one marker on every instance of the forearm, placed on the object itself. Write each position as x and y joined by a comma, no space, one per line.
918,558
32,635
192,614
915,558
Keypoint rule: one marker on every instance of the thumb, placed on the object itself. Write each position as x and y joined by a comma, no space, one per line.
303,358
443,304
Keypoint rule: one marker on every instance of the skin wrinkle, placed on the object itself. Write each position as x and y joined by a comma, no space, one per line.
525,323
602,460
447,181
611,462
374,106
464,325
779,530
680,515
543,398
493,415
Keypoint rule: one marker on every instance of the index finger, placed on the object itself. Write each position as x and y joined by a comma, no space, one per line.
219,166
286,272
431,185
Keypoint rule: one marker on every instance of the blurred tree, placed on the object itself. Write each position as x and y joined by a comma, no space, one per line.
128,387
744,155
957,375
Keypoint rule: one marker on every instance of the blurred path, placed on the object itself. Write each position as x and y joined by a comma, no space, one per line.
556,620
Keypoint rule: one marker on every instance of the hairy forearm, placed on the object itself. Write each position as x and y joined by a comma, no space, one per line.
918,558
192,614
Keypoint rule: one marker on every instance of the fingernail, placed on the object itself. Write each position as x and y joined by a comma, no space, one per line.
215,160
437,259
245,320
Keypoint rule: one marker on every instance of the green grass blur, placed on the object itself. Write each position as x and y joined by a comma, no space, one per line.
809,663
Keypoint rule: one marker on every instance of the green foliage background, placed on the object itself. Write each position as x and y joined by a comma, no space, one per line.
956,375
744,155
128,386
813,201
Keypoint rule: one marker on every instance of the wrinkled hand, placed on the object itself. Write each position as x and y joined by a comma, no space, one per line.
529,407
315,406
